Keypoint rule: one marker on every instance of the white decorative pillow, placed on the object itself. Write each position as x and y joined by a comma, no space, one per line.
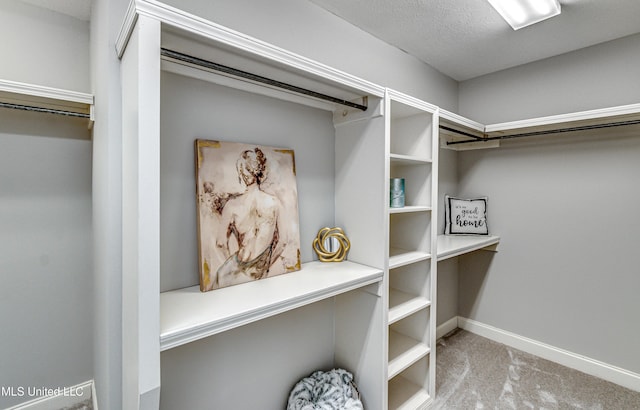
465,216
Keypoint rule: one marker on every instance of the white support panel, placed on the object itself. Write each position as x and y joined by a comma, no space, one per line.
433,277
359,347
455,245
359,147
188,314
140,71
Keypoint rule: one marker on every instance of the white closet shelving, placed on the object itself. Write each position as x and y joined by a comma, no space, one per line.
618,120
188,315
173,320
450,246
37,98
454,127
412,127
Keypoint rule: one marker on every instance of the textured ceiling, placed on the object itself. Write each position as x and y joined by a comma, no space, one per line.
80,9
468,38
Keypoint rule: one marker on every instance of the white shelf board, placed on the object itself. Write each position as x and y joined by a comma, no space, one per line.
188,314
455,245
631,111
405,395
408,159
403,304
45,97
409,208
400,257
403,352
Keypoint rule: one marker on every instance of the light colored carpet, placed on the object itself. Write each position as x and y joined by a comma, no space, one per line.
475,373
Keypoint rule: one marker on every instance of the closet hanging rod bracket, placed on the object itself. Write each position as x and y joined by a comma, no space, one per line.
257,78
466,134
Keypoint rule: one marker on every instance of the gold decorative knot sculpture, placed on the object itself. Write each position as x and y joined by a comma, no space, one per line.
331,245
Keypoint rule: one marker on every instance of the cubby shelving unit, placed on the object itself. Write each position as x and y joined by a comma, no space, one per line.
412,127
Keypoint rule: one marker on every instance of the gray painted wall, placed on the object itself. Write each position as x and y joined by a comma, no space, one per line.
600,76
43,47
566,273
45,257
45,209
567,268
197,109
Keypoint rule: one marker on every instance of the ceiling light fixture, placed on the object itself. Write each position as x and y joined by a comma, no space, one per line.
523,13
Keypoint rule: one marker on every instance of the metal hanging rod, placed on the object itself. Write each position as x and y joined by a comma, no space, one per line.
257,78
546,132
466,134
45,110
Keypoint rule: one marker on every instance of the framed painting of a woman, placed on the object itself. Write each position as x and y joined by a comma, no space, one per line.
247,209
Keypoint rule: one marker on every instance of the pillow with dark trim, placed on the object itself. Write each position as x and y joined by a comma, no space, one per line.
465,216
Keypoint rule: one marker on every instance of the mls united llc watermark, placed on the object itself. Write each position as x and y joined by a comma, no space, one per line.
32,391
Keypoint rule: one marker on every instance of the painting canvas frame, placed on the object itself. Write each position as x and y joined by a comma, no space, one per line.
247,212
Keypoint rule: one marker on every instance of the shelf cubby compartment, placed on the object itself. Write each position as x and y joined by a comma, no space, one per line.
403,352
413,279
409,237
411,132
408,391
417,181
408,341
450,246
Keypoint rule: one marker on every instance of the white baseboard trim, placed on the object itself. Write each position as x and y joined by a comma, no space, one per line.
55,398
448,326
575,361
